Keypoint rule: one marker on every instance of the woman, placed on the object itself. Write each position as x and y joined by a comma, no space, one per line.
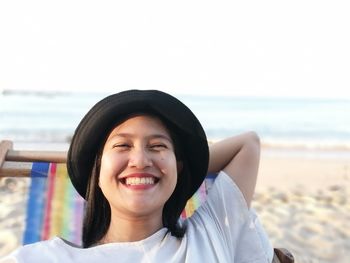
137,157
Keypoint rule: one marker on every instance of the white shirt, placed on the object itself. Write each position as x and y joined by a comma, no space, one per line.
222,230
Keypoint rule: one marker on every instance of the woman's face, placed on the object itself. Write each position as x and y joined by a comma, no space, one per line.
138,167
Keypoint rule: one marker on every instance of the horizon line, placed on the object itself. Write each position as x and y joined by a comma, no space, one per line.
52,92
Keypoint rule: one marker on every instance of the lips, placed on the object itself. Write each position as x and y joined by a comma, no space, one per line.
139,179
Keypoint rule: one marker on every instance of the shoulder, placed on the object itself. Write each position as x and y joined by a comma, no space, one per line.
225,190
37,252
224,201
229,223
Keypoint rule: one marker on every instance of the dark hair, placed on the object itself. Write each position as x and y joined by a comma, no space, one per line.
98,212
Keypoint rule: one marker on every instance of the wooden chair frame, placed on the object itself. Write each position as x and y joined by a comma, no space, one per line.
18,163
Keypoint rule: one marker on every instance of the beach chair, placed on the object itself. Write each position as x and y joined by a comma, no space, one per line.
54,208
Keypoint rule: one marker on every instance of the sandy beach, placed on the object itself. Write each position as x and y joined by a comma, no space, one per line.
302,199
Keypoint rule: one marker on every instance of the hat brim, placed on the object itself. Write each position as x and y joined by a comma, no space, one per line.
102,118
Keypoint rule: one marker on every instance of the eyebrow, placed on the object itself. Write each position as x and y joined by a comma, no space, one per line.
153,136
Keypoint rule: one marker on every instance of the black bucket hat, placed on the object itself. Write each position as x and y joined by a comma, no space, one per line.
103,116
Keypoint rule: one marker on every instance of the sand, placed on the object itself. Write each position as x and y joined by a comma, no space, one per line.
302,199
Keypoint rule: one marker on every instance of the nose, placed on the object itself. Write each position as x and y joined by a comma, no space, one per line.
139,158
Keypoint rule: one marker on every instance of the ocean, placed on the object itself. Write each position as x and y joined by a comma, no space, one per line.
51,117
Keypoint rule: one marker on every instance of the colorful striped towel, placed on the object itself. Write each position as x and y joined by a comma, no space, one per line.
54,208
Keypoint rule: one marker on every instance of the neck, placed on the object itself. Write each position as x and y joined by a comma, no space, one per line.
123,229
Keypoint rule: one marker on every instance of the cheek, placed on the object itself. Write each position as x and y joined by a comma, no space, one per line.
110,165
168,164
108,171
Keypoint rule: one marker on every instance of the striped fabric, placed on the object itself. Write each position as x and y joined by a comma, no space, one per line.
199,197
54,208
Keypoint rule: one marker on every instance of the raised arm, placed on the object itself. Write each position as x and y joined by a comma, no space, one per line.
238,156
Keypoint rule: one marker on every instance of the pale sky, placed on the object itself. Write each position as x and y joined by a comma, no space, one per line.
261,48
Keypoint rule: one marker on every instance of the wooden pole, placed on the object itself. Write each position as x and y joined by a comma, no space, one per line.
5,146
16,169
36,156
19,163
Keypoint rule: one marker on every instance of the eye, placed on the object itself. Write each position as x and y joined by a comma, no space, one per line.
122,146
158,146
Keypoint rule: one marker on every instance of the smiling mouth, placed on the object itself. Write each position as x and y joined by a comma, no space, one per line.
131,181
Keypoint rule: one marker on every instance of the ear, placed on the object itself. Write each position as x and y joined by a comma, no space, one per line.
179,166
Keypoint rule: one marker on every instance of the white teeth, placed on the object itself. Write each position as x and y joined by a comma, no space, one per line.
138,180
